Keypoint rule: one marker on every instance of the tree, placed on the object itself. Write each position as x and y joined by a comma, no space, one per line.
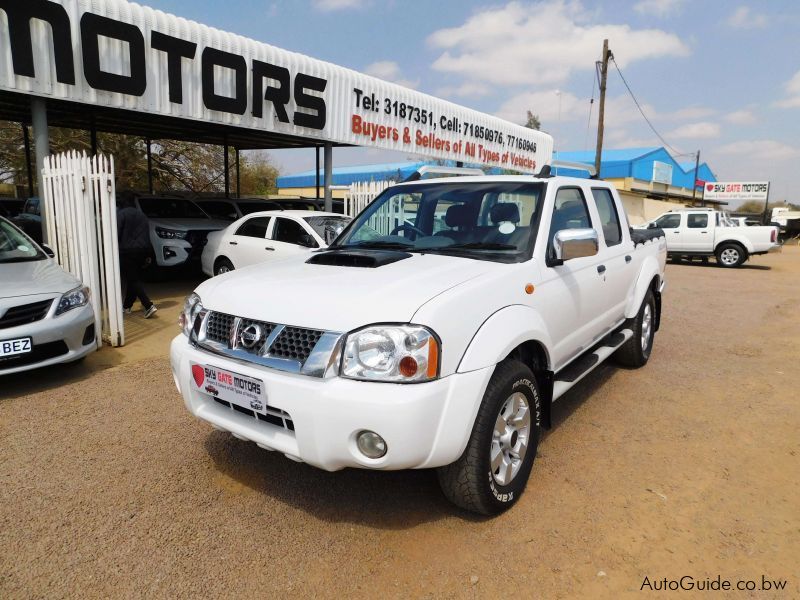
177,165
533,121
756,206
259,177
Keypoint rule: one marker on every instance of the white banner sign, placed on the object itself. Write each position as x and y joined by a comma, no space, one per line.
736,190
113,53
662,172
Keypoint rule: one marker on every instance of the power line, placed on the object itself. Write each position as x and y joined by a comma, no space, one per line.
644,116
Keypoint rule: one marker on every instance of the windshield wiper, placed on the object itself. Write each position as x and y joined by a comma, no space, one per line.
481,246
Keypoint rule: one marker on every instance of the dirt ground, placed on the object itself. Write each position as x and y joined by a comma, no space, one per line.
688,467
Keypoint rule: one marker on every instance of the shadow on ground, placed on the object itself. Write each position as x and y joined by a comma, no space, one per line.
380,499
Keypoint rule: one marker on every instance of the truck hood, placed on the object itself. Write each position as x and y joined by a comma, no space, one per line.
336,298
34,277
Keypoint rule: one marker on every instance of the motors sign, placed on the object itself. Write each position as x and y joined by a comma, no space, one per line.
736,190
112,53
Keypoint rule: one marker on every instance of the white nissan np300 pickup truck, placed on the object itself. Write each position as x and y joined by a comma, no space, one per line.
436,331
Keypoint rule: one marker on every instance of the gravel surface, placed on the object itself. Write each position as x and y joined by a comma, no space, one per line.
108,487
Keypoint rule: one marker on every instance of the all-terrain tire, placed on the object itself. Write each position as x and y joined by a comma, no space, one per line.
470,481
636,351
223,265
730,254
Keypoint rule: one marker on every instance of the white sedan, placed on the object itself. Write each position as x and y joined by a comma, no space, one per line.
269,235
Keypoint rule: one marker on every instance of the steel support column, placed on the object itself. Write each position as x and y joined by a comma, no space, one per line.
227,174
26,138
328,177
41,140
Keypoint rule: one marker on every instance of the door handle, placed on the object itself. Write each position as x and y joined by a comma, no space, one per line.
234,243
703,232
270,249
601,269
628,258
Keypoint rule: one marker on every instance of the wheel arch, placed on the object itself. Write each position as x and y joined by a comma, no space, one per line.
740,241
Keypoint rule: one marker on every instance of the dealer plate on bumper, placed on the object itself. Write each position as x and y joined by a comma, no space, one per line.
17,346
237,389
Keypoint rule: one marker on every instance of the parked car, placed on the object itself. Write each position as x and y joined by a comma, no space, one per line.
11,207
267,236
45,313
441,343
29,219
178,228
230,209
703,232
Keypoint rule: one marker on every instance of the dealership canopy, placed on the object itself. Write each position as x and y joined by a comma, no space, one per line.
126,68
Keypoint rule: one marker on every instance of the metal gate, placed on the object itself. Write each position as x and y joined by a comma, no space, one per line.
81,218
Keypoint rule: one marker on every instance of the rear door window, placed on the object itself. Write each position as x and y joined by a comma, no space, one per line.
609,218
697,221
255,227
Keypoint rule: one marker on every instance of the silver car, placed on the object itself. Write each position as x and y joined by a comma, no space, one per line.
45,313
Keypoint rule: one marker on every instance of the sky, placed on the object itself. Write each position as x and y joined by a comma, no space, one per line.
718,76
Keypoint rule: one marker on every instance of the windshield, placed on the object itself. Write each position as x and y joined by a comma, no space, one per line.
15,246
491,221
328,227
171,208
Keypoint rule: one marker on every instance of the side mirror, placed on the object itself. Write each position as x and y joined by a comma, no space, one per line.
48,250
575,243
651,225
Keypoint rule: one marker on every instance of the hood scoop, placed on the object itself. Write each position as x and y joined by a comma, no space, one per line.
365,259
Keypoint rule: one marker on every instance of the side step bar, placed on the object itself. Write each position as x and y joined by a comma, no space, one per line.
582,366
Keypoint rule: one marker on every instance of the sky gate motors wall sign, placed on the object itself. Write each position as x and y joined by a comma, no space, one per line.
113,53
733,190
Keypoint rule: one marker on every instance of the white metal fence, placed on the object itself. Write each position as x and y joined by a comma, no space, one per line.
80,212
362,193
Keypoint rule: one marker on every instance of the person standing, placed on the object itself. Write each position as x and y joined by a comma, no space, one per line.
133,232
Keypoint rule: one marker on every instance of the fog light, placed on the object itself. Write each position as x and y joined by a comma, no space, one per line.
371,444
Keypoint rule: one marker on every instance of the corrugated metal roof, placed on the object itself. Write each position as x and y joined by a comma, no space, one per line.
617,163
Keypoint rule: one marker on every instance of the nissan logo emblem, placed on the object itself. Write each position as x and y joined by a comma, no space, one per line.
250,335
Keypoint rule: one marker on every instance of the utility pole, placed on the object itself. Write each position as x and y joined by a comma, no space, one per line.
601,115
694,184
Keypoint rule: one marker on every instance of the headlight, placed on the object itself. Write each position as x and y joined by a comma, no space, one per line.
191,307
396,353
170,234
73,299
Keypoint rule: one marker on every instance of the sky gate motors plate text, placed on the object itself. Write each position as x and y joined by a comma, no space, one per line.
123,55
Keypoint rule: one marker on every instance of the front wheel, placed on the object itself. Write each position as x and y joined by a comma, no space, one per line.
636,351
731,255
491,474
223,266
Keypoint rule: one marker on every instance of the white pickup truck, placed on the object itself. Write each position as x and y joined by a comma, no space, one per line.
436,331
705,232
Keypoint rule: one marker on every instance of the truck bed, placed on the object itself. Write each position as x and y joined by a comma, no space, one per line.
640,236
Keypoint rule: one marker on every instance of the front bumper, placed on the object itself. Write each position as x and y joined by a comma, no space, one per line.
171,252
424,425
55,340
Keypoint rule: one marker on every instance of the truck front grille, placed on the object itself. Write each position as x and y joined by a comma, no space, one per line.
284,347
